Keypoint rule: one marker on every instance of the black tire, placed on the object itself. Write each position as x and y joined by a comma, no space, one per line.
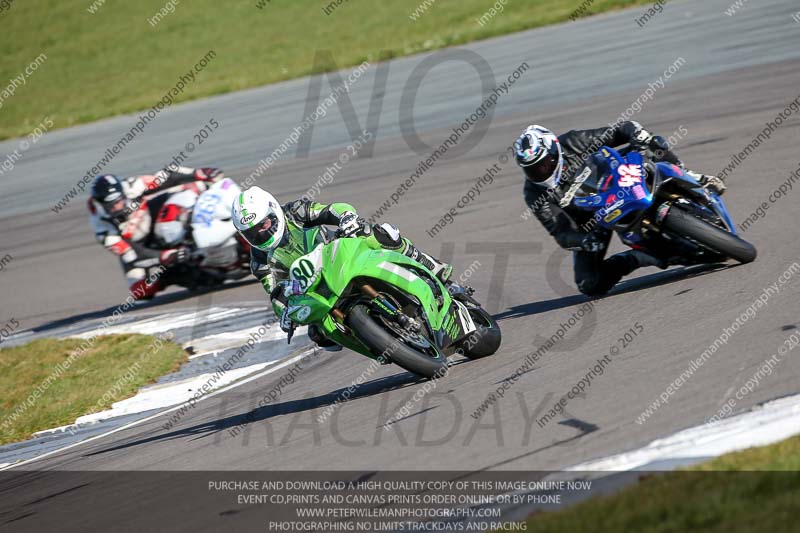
380,341
485,341
716,239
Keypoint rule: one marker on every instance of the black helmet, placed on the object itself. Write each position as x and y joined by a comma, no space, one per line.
538,152
108,192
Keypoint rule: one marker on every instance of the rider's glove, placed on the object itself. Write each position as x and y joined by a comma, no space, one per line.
593,243
208,174
161,176
351,225
641,138
658,144
662,152
644,141
175,256
292,288
286,323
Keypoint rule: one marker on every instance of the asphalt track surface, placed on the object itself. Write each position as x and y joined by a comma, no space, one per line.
739,73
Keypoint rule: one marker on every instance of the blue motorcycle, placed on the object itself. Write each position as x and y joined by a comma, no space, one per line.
658,208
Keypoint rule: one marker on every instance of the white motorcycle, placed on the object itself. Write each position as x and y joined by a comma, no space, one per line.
202,221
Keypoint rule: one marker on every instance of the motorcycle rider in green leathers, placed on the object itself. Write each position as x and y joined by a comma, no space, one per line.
278,236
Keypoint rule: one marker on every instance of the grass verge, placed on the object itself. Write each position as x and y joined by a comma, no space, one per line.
752,490
50,382
105,57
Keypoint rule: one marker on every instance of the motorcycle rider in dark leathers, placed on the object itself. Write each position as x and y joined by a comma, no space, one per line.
552,165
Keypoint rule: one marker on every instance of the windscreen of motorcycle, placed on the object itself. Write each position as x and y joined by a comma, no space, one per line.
596,176
211,218
584,186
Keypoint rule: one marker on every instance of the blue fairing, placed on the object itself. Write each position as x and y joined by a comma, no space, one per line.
672,171
619,188
722,210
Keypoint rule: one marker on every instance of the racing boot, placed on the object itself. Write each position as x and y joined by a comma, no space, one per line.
388,236
622,264
643,259
596,280
710,183
443,271
141,288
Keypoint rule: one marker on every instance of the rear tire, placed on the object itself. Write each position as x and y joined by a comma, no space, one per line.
716,239
483,342
380,341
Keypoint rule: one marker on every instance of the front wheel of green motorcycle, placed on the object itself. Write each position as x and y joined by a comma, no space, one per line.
485,340
384,342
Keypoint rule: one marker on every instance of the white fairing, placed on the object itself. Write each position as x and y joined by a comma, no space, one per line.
212,231
173,233
211,219
224,255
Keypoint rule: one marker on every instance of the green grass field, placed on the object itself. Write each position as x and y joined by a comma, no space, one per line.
737,492
113,61
36,393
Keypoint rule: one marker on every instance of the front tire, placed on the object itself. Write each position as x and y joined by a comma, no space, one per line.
379,341
683,223
484,341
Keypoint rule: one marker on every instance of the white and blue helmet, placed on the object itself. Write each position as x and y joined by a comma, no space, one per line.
538,152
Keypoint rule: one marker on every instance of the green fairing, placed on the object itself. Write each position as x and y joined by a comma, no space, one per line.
344,259
302,240
299,243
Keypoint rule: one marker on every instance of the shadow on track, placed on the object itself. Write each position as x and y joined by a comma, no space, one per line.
625,286
159,300
207,429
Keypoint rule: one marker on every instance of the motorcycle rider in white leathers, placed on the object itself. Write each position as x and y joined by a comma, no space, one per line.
123,212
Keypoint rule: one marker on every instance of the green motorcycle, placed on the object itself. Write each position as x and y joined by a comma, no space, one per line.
386,306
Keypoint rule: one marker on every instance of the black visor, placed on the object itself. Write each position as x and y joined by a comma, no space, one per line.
542,170
116,210
260,233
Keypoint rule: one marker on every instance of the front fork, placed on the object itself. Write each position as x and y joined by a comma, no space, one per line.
388,310
683,247
380,305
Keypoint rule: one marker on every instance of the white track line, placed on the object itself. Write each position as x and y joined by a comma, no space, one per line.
152,417
195,356
161,323
772,422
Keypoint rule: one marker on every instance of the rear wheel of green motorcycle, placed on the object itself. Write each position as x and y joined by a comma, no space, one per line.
716,239
485,340
374,336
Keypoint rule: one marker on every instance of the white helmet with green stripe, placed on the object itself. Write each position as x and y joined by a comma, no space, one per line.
258,216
